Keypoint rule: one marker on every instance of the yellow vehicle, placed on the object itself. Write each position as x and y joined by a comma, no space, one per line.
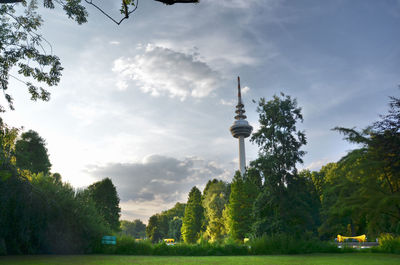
360,239
169,241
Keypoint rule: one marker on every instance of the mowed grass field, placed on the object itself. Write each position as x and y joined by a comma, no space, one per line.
322,259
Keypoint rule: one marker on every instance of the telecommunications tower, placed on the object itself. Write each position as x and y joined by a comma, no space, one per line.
241,129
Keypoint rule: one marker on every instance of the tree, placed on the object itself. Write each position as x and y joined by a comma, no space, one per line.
193,218
153,230
172,221
254,176
57,177
105,197
8,136
215,197
136,229
175,227
177,211
238,212
13,192
74,9
283,205
308,194
166,223
23,48
31,153
59,212
37,210
278,139
375,169
339,214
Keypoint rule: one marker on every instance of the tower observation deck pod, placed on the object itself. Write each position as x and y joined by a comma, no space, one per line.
241,129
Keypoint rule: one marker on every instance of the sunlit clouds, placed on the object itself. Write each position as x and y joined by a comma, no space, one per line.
165,72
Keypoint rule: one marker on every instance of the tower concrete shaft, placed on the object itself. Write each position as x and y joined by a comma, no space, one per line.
242,156
241,129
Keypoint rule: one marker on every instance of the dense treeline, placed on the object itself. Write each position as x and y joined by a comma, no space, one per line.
359,194
135,229
41,214
166,224
272,203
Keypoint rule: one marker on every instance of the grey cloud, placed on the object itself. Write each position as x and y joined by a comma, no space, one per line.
157,176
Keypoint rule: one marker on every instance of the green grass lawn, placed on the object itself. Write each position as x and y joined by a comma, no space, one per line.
323,259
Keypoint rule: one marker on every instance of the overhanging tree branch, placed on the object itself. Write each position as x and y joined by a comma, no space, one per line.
20,44
124,9
10,1
171,2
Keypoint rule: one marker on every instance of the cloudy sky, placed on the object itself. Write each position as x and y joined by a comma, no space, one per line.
149,103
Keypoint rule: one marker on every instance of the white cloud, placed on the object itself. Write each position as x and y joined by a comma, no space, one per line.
227,102
114,42
245,89
162,71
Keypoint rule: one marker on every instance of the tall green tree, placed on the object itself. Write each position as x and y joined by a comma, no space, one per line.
31,153
281,207
215,197
193,218
105,196
278,139
238,212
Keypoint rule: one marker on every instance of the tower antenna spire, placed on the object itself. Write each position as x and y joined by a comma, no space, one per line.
239,92
240,107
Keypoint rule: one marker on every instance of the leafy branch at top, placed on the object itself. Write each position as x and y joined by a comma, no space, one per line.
24,50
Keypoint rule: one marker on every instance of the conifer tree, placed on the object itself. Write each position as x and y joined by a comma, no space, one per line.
215,197
194,215
239,210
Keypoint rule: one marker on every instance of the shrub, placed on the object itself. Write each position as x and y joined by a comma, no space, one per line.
3,250
202,249
285,244
126,245
389,244
267,245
